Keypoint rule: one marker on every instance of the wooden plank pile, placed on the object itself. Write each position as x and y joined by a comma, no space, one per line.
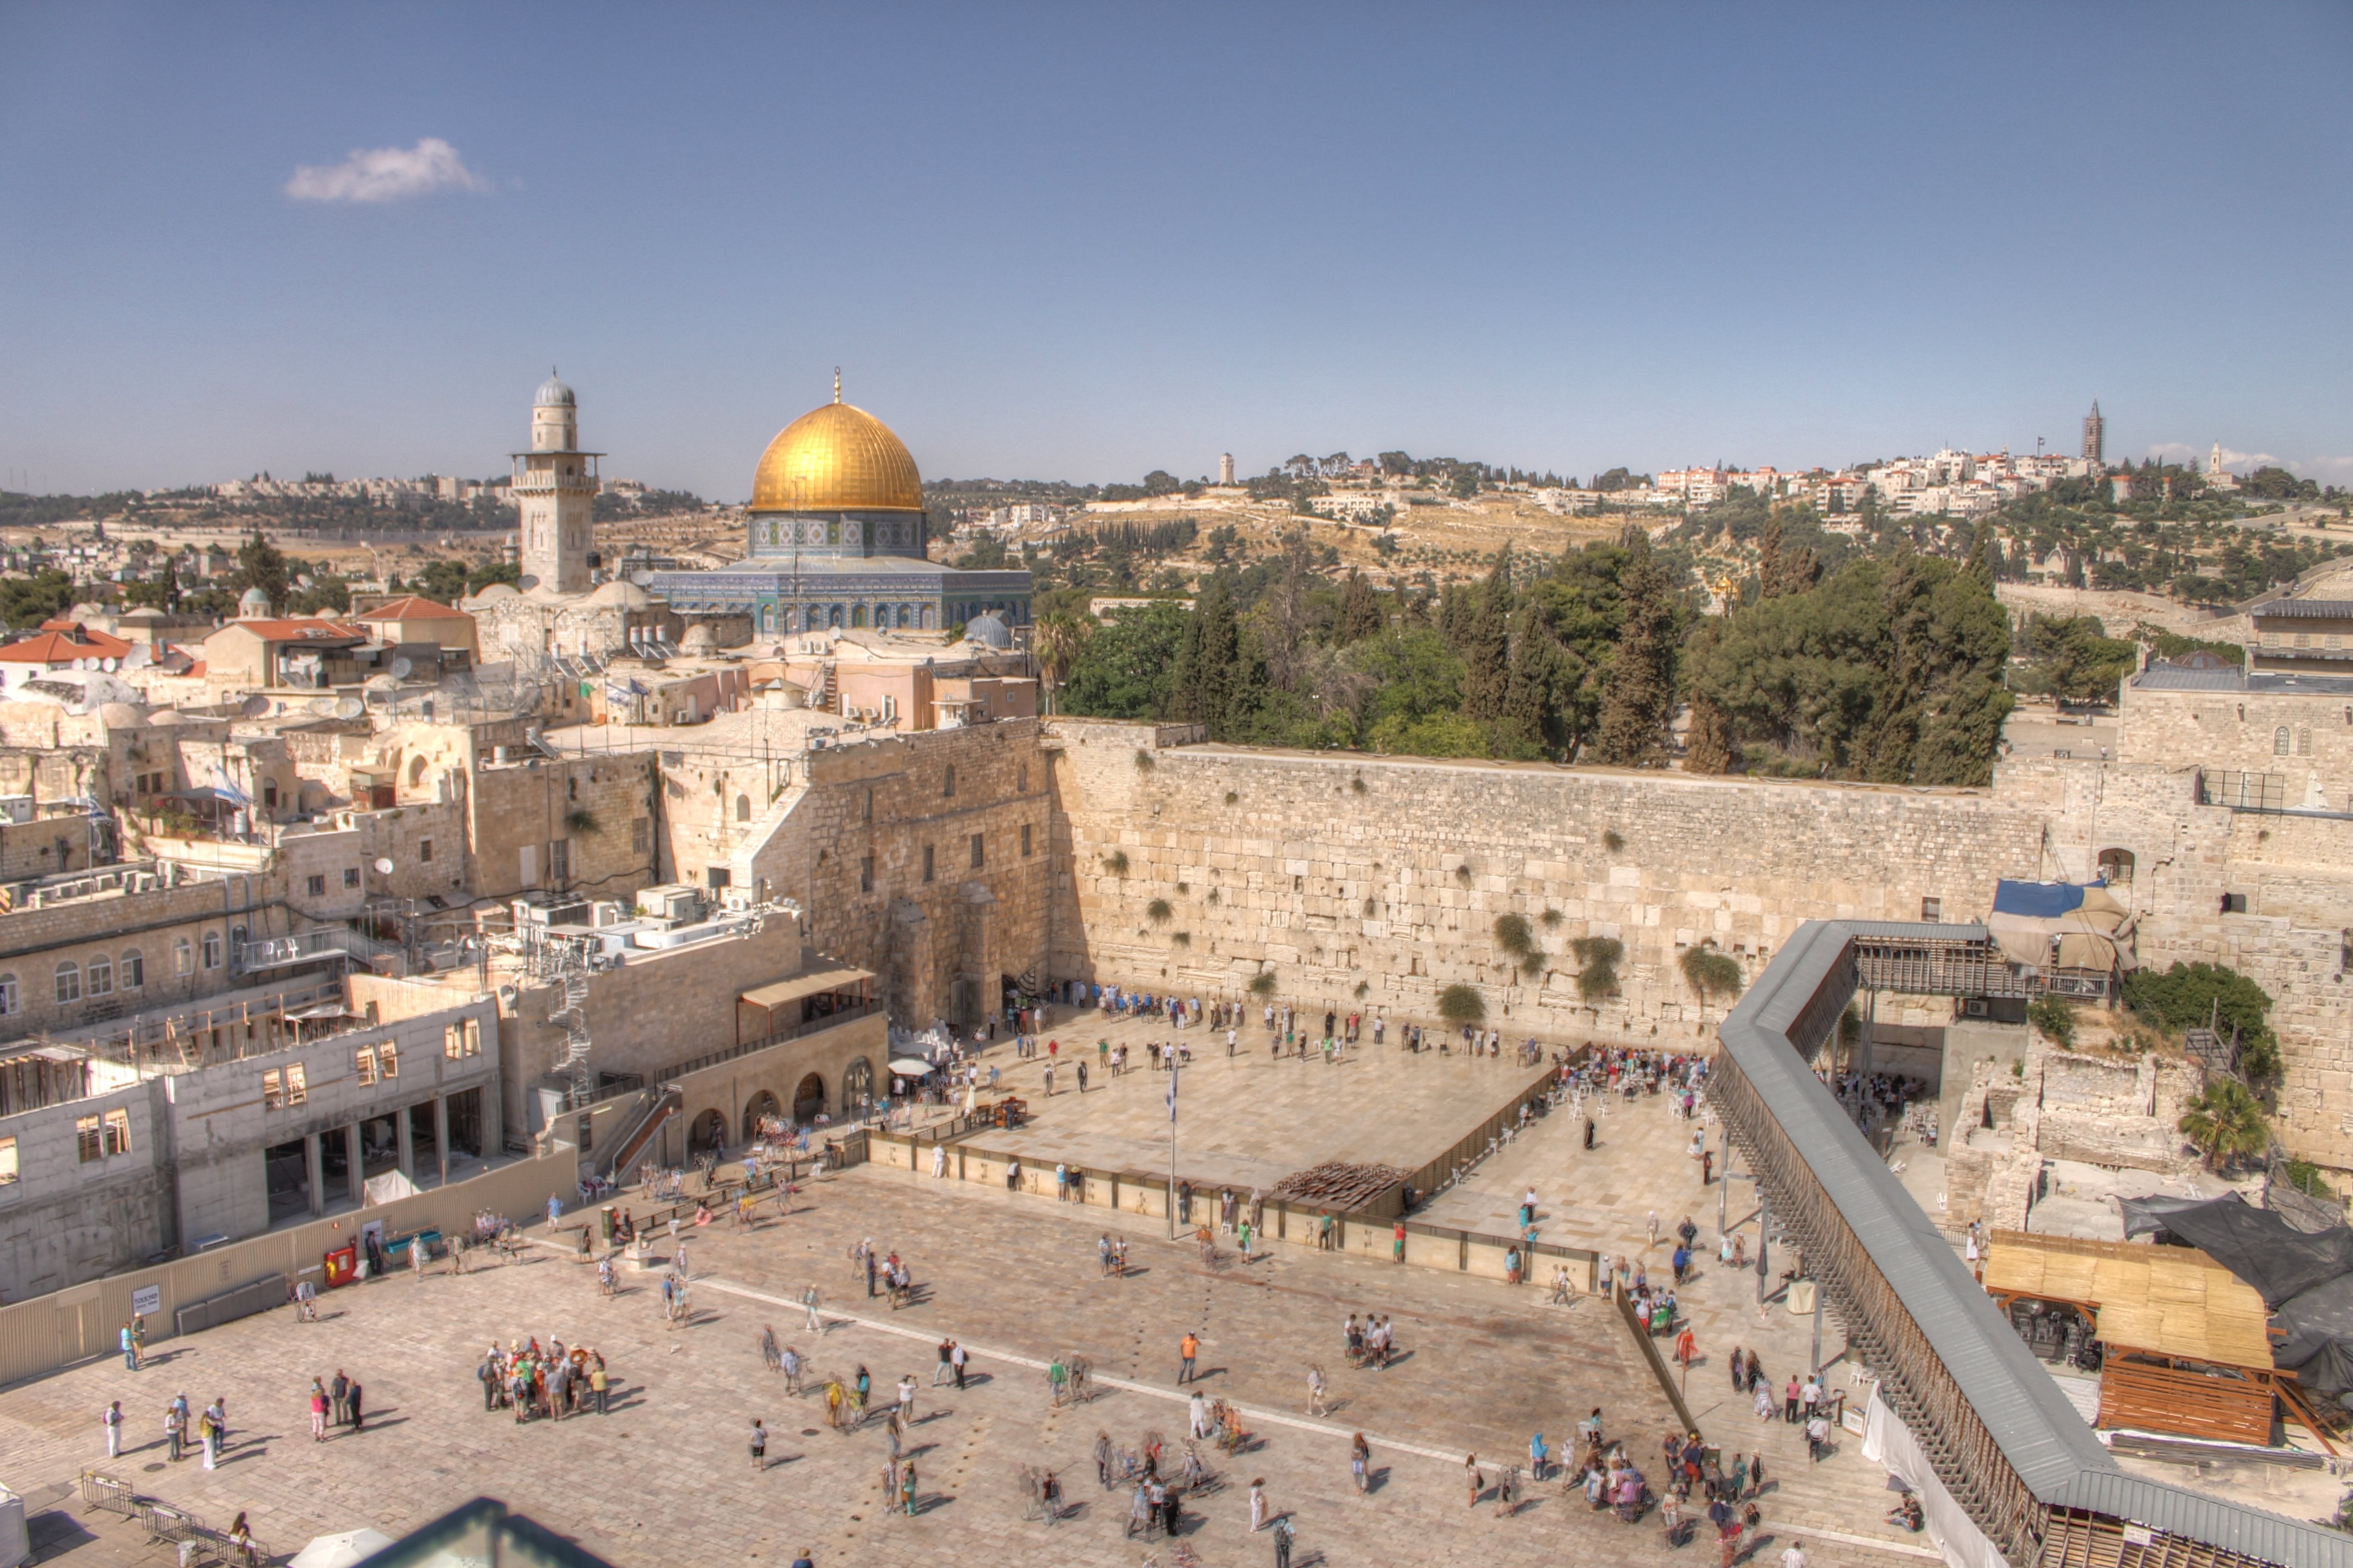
1338,1184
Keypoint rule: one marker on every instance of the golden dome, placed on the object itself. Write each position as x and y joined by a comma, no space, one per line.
836,457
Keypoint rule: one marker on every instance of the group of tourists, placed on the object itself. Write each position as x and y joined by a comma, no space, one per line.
341,1401
208,1429
538,1383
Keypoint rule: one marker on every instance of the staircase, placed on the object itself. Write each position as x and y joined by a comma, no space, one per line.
662,1102
822,695
573,1017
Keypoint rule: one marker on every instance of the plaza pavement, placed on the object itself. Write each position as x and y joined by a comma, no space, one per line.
666,1479
1250,1120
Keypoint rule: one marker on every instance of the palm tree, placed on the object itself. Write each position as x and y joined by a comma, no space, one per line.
1056,641
2227,1123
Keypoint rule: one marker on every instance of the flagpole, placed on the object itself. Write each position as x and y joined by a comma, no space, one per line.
1172,1145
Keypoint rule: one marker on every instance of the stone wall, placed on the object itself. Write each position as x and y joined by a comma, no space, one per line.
1378,881
926,857
66,1219
164,928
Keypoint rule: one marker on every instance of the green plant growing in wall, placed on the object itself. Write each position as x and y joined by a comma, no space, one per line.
1463,873
1231,797
1182,938
1372,908
580,819
1184,888
1613,841
1159,911
1357,784
1513,936
1364,989
1116,862
1144,761
1551,919
1262,983
1460,1005
1212,898
2054,1018
1714,975
1599,955
1532,961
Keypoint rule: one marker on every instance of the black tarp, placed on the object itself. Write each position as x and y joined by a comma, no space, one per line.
2280,1261
2319,1344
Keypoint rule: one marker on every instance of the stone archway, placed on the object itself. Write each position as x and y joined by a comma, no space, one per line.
857,1085
762,1104
809,1100
708,1131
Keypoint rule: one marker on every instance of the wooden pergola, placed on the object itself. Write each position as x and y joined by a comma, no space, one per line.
2188,1343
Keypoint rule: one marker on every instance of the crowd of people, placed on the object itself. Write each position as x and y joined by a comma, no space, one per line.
538,1383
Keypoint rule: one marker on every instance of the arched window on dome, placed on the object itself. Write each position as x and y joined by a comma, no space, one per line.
833,617
929,615
907,615
857,614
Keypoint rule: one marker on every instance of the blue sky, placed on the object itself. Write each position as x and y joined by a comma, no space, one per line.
1085,241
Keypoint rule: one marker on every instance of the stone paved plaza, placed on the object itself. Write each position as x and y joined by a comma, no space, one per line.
1252,1119
665,1478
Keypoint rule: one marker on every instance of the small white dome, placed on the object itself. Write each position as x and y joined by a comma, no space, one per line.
253,601
119,716
622,593
553,393
493,592
988,631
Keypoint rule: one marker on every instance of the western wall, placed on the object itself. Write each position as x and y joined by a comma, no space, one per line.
1375,882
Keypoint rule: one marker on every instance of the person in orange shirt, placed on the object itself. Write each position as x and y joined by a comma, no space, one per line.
1188,1348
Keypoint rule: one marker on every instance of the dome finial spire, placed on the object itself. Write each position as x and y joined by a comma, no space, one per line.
837,384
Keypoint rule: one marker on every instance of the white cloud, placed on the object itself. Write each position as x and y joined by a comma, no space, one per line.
385,175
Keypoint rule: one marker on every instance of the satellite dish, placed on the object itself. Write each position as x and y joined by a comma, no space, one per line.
349,708
382,866
380,683
109,664
400,668
254,707
140,656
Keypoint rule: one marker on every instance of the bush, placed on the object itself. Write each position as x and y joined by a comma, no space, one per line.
1159,911
2191,995
2054,1018
1262,983
1143,761
1513,935
1599,955
1462,1005
1116,862
1712,974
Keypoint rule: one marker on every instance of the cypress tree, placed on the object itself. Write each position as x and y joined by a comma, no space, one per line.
1360,611
1639,694
1487,648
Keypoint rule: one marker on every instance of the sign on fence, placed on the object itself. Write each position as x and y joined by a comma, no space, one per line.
147,1300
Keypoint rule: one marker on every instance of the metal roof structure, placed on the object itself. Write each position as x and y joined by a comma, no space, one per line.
1792,1008
2313,609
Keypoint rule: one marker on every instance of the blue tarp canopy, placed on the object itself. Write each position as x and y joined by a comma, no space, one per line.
2041,901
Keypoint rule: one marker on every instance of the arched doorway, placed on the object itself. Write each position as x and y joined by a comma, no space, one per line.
708,1132
762,1104
857,1085
2117,867
808,1099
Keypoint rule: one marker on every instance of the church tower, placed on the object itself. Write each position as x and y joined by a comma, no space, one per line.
554,491
2095,434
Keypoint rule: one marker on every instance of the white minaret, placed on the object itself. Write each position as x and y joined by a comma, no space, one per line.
554,491
1225,468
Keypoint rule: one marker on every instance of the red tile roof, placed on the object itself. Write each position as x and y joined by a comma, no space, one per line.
309,628
61,647
410,607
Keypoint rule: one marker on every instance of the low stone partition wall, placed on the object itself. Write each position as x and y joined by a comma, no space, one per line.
1368,1233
